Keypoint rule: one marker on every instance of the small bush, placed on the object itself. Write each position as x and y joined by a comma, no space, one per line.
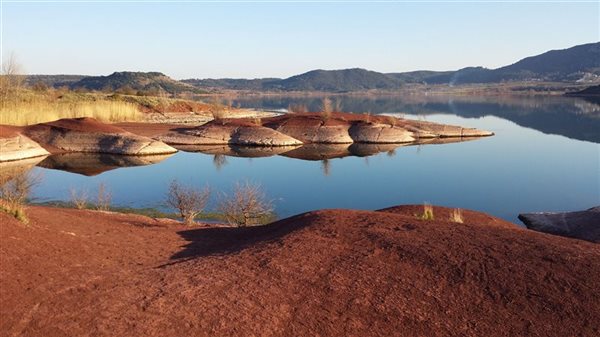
187,200
456,215
247,206
14,194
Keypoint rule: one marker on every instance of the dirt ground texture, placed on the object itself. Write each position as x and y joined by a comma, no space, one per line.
323,273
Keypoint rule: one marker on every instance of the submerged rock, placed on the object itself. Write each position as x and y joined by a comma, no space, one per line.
584,225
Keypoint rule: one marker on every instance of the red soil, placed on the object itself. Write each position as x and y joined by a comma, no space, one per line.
84,124
323,273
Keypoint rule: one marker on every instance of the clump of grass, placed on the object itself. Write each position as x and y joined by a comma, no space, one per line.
456,215
427,212
79,198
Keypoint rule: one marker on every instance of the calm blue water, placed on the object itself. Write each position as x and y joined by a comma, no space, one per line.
521,169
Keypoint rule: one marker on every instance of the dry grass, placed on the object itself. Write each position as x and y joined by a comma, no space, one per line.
103,198
457,216
79,198
427,212
29,108
297,108
326,108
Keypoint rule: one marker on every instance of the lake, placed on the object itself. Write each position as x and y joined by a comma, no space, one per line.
545,156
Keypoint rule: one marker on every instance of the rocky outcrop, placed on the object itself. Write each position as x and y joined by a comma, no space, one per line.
380,133
216,133
584,225
16,146
313,128
89,135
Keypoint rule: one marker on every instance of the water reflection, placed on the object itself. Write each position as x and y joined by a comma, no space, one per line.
10,170
91,164
572,117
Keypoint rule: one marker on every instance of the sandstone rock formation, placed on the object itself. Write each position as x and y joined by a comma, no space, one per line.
216,133
16,146
312,128
89,135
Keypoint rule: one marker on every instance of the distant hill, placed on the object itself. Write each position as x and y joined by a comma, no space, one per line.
231,83
148,81
335,81
55,81
317,80
577,64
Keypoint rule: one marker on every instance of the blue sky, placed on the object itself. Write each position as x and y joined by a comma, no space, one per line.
202,40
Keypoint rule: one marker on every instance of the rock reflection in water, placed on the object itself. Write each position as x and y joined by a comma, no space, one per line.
12,169
91,164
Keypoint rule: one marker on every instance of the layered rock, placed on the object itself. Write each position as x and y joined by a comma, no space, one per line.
313,128
235,134
89,135
15,146
380,133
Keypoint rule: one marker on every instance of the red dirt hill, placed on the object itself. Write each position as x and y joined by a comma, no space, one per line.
322,273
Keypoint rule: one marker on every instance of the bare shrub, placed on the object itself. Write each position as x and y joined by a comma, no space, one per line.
326,108
11,79
188,201
14,194
80,199
297,108
427,212
247,206
103,198
456,215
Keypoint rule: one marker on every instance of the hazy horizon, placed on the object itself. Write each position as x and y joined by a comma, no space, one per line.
258,40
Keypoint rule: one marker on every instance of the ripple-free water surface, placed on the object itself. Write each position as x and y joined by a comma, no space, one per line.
544,157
